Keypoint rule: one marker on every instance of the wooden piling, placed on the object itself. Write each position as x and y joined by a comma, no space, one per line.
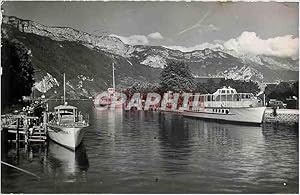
45,121
18,126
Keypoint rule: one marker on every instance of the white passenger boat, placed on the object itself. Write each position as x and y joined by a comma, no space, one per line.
67,125
228,105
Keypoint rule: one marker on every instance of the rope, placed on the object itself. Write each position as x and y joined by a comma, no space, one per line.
9,165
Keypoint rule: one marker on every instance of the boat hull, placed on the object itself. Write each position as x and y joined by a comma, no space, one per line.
238,115
69,137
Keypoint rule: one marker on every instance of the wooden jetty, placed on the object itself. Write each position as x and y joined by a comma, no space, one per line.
25,128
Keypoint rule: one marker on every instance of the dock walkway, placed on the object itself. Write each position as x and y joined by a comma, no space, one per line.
25,128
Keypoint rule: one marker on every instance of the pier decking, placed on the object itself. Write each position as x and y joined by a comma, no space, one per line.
25,128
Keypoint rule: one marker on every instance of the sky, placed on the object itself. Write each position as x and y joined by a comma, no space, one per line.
256,28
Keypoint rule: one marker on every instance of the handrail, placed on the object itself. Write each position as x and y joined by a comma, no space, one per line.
73,124
207,94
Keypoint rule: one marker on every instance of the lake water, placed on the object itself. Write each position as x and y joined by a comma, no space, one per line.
151,152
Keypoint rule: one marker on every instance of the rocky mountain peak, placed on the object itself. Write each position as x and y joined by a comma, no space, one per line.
213,62
106,43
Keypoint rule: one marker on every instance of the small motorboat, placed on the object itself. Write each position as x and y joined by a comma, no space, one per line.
66,125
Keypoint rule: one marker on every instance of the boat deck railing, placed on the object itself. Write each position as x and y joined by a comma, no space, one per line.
236,100
74,124
70,121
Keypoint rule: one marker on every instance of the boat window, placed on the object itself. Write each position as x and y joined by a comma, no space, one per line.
223,91
238,97
234,97
229,97
65,113
227,111
218,98
223,97
201,99
208,98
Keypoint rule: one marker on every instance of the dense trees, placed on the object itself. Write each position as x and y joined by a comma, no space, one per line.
176,77
209,87
241,86
17,76
142,87
282,91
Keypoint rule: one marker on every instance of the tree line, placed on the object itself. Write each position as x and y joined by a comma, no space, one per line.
282,91
17,72
177,77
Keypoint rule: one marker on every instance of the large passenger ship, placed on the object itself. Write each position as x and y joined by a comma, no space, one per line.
228,105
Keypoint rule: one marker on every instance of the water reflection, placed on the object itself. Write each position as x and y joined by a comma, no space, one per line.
66,164
151,152
199,148
282,155
174,141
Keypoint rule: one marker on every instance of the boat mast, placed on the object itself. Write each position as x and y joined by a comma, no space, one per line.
114,84
64,88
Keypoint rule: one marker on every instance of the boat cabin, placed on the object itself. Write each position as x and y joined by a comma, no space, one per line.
230,94
67,114
228,97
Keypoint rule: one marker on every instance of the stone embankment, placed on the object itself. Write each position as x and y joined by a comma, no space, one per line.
282,115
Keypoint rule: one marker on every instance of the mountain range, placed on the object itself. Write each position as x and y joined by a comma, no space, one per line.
87,60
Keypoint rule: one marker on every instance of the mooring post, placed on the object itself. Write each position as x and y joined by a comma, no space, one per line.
17,139
18,126
45,121
26,135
